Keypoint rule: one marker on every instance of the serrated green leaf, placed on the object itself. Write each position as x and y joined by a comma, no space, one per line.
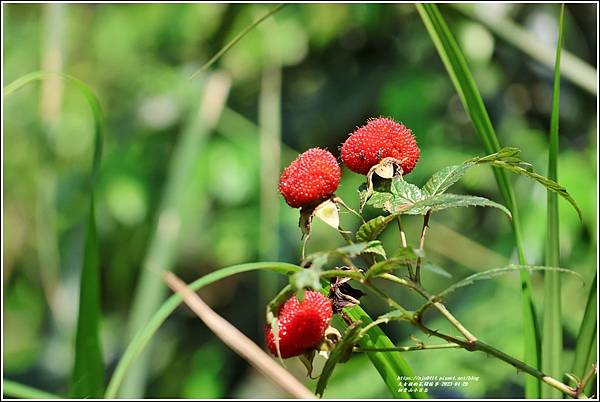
405,192
440,202
505,154
441,180
342,349
375,247
372,229
381,200
544,181
508,159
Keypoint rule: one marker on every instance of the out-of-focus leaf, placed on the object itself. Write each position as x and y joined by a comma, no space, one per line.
87,379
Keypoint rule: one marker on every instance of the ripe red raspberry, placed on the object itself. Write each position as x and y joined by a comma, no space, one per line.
312,177
380,138
302,325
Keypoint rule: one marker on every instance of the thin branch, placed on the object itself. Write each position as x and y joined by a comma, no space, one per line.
431,299
409,348
402,234
586,378
404,244
518,364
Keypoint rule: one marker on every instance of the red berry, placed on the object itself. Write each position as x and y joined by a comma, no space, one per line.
380,138
302,325
312,177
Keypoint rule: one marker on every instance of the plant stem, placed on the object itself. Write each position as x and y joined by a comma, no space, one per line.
480,346
341,202
402,234
421,245
584,381
391,302
457,324
404,244
409,348
472,343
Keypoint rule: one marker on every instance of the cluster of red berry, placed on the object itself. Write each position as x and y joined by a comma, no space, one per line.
313,178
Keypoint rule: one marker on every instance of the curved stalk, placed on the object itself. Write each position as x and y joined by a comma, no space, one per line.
472,343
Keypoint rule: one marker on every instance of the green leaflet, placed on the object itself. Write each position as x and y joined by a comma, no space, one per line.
443,179
440,202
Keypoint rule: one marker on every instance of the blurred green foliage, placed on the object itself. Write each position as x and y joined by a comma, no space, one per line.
341,63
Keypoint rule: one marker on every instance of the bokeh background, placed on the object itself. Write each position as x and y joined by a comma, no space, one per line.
213,148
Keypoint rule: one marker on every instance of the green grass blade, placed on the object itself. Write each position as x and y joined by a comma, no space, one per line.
16,390
88,372
87,379
389,365
235,40
342,349
552,320
463,81
586,339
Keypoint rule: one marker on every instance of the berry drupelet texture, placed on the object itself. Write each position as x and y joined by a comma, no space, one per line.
302,325
312,177
380,138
